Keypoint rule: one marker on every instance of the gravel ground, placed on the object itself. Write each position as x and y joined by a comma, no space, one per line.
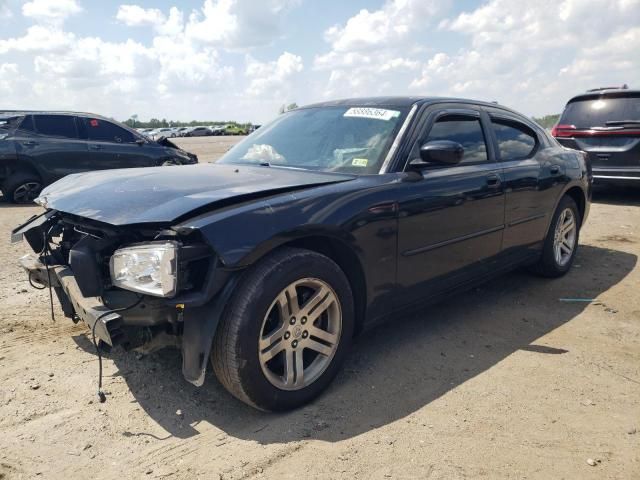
505,382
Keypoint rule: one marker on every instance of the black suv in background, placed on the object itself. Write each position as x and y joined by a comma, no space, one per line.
38,148
605,123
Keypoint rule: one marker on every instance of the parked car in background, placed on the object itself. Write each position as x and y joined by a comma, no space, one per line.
331,218
198,132
180,131
234,130
38,148
605,123
216,130
167,132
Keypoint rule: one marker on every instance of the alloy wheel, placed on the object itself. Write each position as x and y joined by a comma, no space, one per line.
300,334
564,241
27,192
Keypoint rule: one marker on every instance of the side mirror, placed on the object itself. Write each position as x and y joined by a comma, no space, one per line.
140,141
444,152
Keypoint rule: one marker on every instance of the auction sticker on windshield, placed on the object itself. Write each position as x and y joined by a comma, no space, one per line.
376,113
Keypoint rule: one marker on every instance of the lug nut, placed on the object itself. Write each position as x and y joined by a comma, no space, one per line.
294,344
305,334
292,321
303,320
286,335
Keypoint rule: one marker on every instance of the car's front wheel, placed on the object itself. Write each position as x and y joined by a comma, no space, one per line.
286,330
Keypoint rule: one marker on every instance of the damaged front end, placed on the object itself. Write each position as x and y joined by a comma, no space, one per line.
140,287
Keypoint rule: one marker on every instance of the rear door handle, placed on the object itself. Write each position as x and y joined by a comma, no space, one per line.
96,147
493,181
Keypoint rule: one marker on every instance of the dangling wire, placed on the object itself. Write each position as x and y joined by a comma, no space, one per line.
46,251
101,396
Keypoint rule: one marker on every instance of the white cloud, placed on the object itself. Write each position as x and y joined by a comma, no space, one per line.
238,24
390,24
274,77
536,56
50,10
38,38
371,52
8,73
136,16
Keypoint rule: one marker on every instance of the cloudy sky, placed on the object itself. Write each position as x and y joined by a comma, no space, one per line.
242,59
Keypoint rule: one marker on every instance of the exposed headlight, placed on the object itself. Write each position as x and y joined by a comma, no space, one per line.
149,268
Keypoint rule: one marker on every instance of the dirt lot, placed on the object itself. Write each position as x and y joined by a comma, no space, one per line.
207,148
506,382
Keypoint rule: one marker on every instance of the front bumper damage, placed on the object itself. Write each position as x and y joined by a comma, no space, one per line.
90,310
123,318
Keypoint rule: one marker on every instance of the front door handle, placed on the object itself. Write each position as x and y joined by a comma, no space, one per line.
30,143
554,170
96,147
493,181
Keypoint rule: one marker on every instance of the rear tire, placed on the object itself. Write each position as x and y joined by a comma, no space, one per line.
561,243
22,188
266,351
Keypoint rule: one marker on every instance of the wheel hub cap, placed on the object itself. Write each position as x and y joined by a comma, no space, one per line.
300,334
564,239
26,192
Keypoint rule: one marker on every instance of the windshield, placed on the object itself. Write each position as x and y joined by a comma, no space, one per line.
596,112
335,139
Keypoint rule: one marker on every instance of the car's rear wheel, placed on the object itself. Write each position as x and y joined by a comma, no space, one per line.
22,188
561,243
286,330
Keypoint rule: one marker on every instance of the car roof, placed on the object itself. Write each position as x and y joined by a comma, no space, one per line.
606,93
53,112
405,101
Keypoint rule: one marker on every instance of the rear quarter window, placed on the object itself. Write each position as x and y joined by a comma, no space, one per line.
99,130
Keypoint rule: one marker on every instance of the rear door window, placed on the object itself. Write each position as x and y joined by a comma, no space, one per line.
99,130
63,126
596,112
515,141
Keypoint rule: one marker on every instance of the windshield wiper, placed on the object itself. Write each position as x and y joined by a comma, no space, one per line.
622,122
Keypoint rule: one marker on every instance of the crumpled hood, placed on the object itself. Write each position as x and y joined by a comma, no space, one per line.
162,194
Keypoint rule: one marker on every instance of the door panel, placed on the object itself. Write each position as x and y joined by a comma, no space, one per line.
528,175
451,219
111,146
51,142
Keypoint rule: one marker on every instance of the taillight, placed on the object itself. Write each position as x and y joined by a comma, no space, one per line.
562,130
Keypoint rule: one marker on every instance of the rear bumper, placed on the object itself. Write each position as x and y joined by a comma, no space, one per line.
616,175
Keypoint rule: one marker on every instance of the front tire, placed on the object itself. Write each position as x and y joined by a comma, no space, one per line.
561,243
286,330
22,188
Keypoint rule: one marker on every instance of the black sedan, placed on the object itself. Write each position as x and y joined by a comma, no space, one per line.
327,219
38,148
